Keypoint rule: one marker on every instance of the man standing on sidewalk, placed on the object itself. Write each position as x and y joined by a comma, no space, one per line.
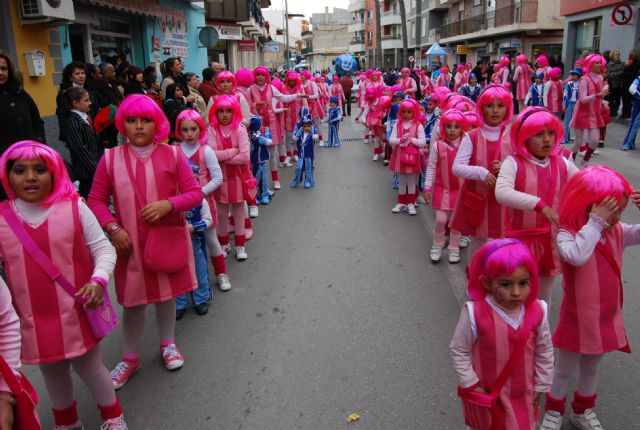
346,83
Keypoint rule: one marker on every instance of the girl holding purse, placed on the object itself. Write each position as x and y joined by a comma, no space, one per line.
44,211
152,186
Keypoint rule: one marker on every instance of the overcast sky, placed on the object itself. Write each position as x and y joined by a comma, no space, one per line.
307,7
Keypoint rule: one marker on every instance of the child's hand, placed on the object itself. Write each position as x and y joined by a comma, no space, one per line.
154,212
480,390
121,241
495,167
536,399
6,411
606,209
191,229
92,291
490,180
635,198
551,215
427,196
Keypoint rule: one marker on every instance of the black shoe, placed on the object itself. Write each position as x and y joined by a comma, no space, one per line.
202,309
180,313
600,144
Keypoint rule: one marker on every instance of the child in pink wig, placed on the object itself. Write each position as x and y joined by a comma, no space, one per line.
150,183
458,79
552,95
335,90
426,85
291,111
192,132
407,138
444,78
530,184
310,90
477,212
543,67
323,90
372,116
503,314
407,83
504,70
590,242
53,326
522,79
227,83
277,151
441,186
587,115
471,120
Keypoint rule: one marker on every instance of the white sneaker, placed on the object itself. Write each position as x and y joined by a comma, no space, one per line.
276,185
248,234
420,200
223,282
436,253
241,254
376,157
115,424
586,421
454,257
271,192
295,158
385,162
551,422
411,209
321,143
464,241
288,164
253,212
226,249
399,208
596,152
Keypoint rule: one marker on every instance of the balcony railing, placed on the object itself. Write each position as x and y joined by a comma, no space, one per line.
390,37
523,12
355,41
304,33
306,51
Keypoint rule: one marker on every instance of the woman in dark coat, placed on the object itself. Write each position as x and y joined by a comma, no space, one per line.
173,105
629,73
615,67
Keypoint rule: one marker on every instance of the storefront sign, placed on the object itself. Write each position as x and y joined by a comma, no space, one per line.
622,14
513,43
247,45
227,32
570,7
155,43
175,28
463,49
271,47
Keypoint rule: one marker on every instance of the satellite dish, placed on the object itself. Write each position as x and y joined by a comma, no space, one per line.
209,37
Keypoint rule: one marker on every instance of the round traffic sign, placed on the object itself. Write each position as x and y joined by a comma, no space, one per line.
208,37
412,58
622,14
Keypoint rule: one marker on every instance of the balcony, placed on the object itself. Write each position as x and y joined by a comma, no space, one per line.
391,41
306,51
390,18
503,20
307,34
438,5
355,26
356,45
356,5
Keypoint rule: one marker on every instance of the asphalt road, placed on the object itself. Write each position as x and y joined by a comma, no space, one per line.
337,311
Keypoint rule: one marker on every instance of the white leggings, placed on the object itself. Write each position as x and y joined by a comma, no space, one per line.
546,285
590,136
237,212
318,123
213,244
440,228
133,324
90,368
566,364
288,139
407,182
274,156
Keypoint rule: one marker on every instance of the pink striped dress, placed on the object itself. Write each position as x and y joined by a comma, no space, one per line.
291,117
408,84
310,88
446,185
204,177
524,81
395,165
490,354
335,90
53,325
266,111
232,163
554,97
492,224
590,319
536,180
587,116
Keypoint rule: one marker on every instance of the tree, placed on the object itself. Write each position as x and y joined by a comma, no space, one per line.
405,43
378,55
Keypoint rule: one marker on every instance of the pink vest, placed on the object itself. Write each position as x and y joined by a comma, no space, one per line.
291,117
241,92
266,112
407,84
524,81
394,164
336,90
158,176
376,113
590,319
490,354
554,97
52,325
231,191
446,185
484,152
204,177
314,105
587,116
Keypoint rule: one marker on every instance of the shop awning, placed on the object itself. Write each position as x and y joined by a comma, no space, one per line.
149,8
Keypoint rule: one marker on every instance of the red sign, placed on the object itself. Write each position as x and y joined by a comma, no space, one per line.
569,7
621,14
246,45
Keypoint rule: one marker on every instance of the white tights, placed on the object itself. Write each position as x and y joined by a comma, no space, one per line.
133,324
407,182
213,244
546,285
90,368
590,136
237,211
566,364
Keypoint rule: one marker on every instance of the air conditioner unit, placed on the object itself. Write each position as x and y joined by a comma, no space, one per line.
36,11
492,47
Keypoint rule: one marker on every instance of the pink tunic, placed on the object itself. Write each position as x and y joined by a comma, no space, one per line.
554,97
163,175
277,131
443,80
310,88
291,117
265,110
484,153
335,90
446,185
590,319
233,155
53,325
204,177
395,165
544,182
588,115
496,339
524,81
408,84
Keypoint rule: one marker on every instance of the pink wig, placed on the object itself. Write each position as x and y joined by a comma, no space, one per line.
542,61
263,71
306,74
468,65
499,258
586,188
278,84
491,93
449,117
227,76
472,120
61,188
141,106
385,102
590,60
460,68
504,61
371,93
244,77
334,79
464,105
444,69
292,75
376,74
530,122
409,104
225,102
496,67
555,73
192,115
521,59
405,70
440,93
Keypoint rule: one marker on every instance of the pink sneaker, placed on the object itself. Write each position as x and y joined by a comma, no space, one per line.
115,424
123,371
172,357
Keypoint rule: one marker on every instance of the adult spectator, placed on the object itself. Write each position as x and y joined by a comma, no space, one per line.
217,68
73,75
174,103
108,94
615,68
629,73
135,81
208,87
558,62
171,71
347,84
194,83
480,72
19,115
151,84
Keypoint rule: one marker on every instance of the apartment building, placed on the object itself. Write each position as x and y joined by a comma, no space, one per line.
329,38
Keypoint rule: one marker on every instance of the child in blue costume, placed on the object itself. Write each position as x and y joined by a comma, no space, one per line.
632,132
535,96
199,220
569,99
260,157
333,119
471,90
304,137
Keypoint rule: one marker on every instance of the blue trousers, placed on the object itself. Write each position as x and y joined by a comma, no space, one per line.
567,119
634,127
304,165
334,138
260,173
203,293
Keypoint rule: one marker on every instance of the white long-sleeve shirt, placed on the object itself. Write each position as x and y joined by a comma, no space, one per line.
205,213
420,141
212,165
433,164
9,333
244,108
461,167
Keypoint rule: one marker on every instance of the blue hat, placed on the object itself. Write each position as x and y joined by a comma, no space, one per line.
306,119
472,75
333,99
255,123
538,76
576,72
399,94
393,112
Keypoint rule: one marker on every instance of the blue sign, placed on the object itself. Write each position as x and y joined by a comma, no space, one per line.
345,63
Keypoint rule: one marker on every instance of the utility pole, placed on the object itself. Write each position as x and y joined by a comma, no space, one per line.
287,54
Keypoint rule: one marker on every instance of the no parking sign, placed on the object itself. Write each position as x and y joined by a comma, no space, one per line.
622,14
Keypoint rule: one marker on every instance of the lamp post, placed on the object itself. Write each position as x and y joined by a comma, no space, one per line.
287,54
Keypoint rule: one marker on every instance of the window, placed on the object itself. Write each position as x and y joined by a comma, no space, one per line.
424,26
369,35
588,37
